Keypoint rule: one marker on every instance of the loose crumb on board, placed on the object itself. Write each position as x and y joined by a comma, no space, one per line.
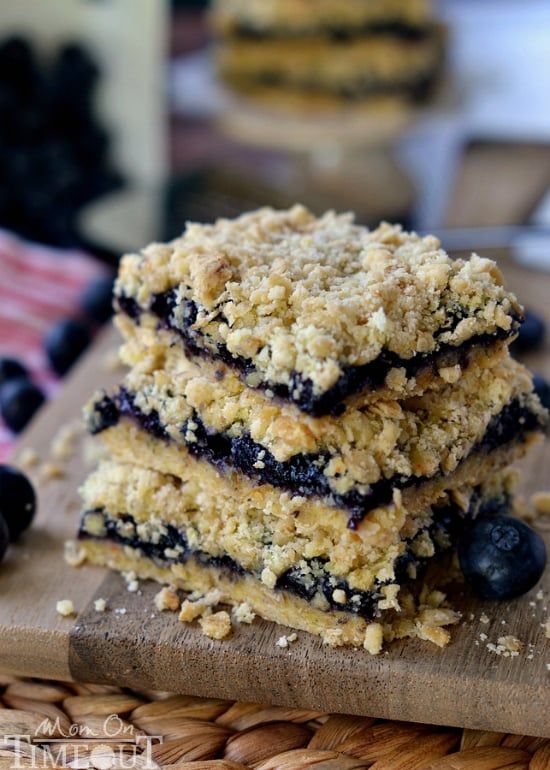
217,625
74,554
243,613
50,470
65,607
64,443
167,599
541,502
507,646
28,458
100,605
111,361
286,641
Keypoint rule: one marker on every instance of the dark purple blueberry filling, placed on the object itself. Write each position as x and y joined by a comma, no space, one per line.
394,27
128,306
416,89
354,379
303,474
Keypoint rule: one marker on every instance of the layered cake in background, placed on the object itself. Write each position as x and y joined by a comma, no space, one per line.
313,412
325,53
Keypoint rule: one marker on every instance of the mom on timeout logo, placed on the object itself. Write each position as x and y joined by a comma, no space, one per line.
114,744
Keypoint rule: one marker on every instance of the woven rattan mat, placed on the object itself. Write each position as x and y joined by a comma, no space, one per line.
53,724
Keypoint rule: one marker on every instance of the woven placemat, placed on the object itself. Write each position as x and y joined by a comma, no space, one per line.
58,724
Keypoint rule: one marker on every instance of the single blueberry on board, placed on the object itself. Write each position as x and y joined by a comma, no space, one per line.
4,538
531,333
542,389
20,399
11,368
64,343
501,557
17,500
97,299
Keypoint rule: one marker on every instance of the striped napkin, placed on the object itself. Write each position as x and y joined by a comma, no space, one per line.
38,286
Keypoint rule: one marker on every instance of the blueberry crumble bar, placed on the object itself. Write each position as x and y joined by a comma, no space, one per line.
316,311
326,54
313,414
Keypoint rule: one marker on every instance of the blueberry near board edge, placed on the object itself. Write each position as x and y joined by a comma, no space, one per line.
531,333
20,399
501,556
4,537
97,299
64,343
10,368
17,501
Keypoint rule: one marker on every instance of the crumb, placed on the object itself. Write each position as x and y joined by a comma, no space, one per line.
374,637
546,627
49,470
540,595
74,553
243,613
167,599
65,607
285,641
483,619
28,458
190,611
483,637
100,605
111,361
64,442
541,501
511,643
132,583
121,611
199,605
217,625
507,646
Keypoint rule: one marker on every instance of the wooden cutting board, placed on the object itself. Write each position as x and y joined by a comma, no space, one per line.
465,684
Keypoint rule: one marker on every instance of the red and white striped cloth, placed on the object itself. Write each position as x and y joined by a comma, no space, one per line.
38,286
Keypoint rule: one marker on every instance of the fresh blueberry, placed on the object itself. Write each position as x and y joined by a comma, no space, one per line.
97,299
502,557
11,368
20,399
64,343
4,537
531,333
542,389
17,500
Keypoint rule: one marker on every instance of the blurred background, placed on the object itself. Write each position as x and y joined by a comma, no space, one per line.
122,119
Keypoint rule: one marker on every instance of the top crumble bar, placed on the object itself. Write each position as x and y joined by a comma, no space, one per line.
303,15
316,310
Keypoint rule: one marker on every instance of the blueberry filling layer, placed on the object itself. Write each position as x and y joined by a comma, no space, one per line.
309,579
337,33
302,474
415,88
354,379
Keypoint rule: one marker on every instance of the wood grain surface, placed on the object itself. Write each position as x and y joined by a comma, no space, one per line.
132,644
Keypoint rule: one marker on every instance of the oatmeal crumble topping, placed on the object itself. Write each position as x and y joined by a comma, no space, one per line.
296,294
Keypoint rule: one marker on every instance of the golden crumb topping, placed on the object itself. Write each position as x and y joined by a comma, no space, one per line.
313,14
293,294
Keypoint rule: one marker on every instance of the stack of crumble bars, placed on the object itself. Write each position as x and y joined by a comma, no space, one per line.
312,412
301,54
